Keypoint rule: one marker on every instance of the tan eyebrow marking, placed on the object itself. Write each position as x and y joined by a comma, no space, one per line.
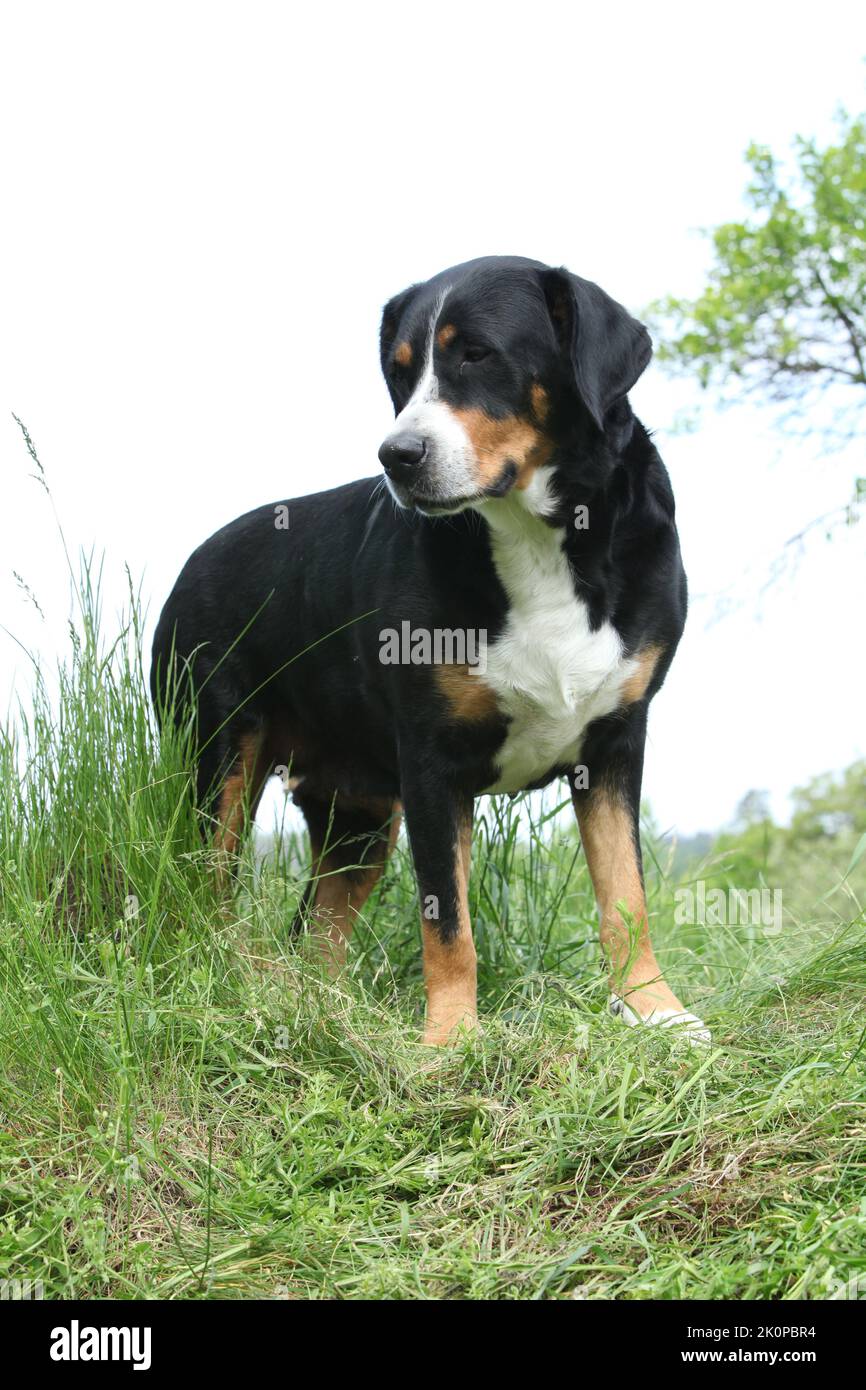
540,402
403,354
446,335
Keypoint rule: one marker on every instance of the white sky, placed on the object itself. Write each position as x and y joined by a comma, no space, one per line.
205,207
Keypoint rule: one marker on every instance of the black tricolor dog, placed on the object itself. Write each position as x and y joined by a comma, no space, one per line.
506,623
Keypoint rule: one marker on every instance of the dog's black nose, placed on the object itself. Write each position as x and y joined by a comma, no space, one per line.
401,454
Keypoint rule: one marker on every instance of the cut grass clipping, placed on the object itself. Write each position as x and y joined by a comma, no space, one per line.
190,1110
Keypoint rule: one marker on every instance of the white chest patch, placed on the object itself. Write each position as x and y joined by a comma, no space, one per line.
552,675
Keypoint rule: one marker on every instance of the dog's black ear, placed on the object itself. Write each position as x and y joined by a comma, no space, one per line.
607,348
391,316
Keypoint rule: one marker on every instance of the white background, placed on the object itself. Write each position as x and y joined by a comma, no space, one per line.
205,207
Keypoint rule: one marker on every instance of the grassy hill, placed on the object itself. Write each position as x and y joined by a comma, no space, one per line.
189,1110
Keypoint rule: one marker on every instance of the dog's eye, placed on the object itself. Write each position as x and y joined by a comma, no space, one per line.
475,354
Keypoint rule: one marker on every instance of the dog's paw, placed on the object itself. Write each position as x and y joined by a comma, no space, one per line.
688,1025
448,1032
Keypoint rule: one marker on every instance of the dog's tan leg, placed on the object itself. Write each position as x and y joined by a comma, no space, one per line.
350,848
640,992
238,800
450,967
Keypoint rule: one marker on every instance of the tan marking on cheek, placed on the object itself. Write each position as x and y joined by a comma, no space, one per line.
638,683
499,442
468,697
446,335
540,402
403,354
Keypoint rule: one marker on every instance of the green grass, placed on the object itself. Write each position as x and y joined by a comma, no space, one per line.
189,1110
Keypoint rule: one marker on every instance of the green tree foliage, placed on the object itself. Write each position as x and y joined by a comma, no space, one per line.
825,844
784,309
831,807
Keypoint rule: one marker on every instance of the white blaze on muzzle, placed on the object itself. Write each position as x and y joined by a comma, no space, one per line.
448,469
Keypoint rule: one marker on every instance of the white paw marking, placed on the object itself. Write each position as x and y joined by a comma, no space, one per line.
694,1028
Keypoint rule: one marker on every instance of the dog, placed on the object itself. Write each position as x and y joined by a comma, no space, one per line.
525,517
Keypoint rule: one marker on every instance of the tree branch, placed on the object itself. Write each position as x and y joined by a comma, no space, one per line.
845,318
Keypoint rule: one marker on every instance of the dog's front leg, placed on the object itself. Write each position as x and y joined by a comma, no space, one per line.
608,813
439,823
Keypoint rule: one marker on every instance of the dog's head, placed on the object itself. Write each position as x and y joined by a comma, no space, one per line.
498,369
